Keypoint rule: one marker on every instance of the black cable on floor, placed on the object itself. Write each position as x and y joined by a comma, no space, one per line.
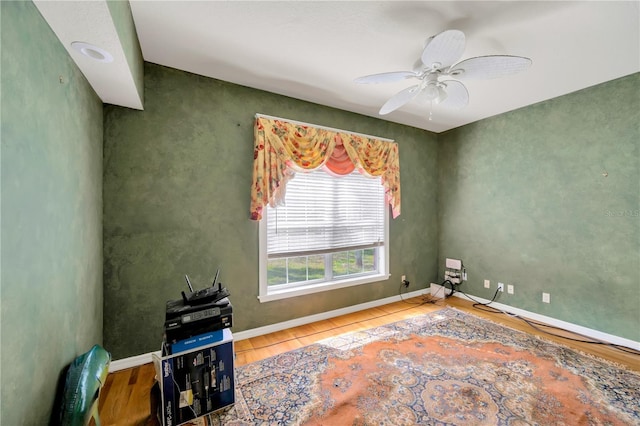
432,298
536,325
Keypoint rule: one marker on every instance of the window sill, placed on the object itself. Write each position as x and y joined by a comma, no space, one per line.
322,287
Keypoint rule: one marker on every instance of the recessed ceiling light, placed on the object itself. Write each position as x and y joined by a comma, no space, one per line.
94,52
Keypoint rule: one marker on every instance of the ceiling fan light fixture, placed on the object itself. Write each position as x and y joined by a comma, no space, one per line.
431,92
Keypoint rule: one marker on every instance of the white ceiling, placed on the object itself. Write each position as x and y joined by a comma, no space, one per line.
313,50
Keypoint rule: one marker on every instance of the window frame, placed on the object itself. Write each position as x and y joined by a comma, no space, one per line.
268,295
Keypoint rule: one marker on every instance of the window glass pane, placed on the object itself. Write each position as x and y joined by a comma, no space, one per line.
297,269
277,271
340,263
353,261
369,261
316,267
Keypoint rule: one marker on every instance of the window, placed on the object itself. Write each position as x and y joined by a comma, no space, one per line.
331,233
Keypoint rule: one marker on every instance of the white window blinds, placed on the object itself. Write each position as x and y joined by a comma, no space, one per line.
323,214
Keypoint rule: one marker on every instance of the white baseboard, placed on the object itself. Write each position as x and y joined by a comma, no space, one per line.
132,361
436,290
584,331
142,359
247,334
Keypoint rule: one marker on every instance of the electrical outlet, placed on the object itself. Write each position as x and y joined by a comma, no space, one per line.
464,276
487,284
405,282
510,288
546,297
500,286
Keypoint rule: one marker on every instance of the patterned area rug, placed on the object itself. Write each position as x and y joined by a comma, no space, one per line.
443,368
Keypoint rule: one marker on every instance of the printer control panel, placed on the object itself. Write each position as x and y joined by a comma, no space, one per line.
200,315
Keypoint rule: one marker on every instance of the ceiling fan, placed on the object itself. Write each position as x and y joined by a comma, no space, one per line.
438,64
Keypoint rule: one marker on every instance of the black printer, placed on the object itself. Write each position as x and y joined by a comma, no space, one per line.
198,312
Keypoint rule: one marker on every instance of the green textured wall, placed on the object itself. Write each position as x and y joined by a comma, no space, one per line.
120,11
524,200
51,215
176,194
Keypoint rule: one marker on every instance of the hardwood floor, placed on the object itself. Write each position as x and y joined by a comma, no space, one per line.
125,397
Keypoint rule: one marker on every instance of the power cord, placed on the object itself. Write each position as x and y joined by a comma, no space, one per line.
536,325
491,309
477,305
453,287
405,300
425,300
434,297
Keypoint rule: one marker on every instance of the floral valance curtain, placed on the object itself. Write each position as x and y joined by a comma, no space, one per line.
282,148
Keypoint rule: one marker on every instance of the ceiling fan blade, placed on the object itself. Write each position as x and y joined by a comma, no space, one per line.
444,49
399,99
386,77
486,67
457,95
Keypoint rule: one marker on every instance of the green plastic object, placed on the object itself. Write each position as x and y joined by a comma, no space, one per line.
86,375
